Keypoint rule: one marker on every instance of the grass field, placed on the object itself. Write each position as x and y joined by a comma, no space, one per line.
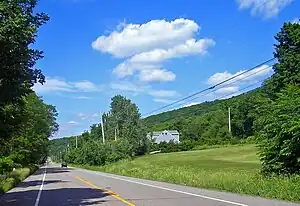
9,181
233,169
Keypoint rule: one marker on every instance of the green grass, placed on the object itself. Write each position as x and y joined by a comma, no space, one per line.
232,168
10,180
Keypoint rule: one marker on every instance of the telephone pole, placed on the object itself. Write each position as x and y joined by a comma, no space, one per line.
115,134
103,139
229,120
76,141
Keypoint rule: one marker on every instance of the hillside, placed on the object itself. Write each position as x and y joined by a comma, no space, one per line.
209,120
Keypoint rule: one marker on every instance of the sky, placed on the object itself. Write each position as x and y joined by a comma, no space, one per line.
153,52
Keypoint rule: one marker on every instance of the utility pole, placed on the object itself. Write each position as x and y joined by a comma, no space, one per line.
103,139
76,141
229,120
115,134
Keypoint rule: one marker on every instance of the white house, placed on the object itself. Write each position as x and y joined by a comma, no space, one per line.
165,135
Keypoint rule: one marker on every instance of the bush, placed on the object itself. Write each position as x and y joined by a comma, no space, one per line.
6,165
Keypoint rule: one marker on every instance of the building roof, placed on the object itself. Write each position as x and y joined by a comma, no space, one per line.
173,132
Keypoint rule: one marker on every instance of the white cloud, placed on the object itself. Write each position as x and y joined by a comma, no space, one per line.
83,97
296,21
191,104
148,45
82,116
51,85
227,90
136,89
262,71
265,8
85,86
166,101
73,123
189,47
96,115
90,117
58,85
151,75
136,38
129,87
234,85
149,63
163,93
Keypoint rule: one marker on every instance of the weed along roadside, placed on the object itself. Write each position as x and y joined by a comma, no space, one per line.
231,169
13,178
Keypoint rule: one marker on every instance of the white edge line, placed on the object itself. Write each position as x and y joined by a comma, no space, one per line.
172,190
37,201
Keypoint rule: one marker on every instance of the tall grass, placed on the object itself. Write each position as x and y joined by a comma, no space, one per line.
234,169
10,180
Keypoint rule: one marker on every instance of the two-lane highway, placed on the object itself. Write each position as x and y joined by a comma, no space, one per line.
53,185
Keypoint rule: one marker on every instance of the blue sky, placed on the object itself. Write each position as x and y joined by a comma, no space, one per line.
154,52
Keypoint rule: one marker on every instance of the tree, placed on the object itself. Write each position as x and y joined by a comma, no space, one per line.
19,25
18,29
287,52
126,117
279,126
29,145
280,135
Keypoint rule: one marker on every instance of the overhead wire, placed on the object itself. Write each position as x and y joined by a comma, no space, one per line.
224,96
209,88
231,83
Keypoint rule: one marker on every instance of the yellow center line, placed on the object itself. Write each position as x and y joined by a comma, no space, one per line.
109,192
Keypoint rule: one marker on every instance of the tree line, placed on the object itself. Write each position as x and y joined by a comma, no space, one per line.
268,116
26,122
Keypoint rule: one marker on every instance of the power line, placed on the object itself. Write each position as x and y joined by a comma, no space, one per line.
231,83
224,96
210,88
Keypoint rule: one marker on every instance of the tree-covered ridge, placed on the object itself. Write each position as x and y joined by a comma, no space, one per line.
208,122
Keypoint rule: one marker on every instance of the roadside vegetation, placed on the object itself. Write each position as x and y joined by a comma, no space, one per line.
13,178
26,122
234,169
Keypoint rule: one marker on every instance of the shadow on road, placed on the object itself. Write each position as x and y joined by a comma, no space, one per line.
38,182
53,170
55,197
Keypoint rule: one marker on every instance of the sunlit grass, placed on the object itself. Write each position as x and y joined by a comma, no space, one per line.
233,169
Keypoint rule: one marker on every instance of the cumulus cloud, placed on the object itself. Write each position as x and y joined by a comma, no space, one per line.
163,93
136,38
128,87
264,8
165,101
143,89
58,85
73,123
147,46
296,21
82,97
161,75
85,86
254,74
191,104
234,85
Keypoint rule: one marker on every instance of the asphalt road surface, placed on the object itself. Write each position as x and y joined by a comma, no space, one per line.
56,186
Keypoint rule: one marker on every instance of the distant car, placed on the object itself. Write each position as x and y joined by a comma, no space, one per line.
64,164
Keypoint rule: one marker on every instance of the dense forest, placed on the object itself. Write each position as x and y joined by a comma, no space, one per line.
268,116
26,122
